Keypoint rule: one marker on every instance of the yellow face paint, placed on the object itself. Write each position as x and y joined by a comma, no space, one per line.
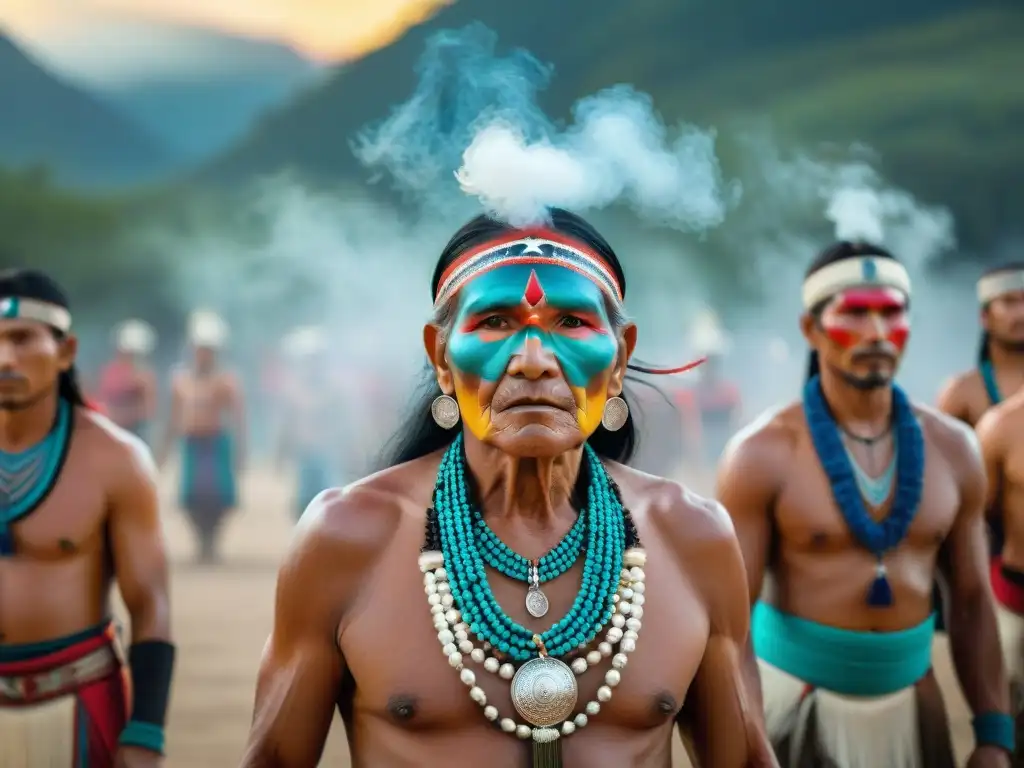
504,309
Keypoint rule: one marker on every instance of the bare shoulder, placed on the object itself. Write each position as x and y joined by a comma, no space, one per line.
961,388
760,454
686,520
1002,421
355,524
954,439
121,455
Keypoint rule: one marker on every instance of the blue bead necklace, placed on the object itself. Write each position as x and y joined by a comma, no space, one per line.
878,537
27,477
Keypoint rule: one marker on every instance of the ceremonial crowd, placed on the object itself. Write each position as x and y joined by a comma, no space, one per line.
580,609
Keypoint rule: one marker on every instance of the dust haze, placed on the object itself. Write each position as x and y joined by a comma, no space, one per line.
472,138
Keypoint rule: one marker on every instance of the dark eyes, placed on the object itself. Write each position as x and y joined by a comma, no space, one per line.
500,323
494,323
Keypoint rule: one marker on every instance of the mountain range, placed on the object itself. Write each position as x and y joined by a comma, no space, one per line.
80,138
94,132
926,83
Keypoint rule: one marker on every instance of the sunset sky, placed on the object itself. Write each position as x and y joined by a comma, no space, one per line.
327,30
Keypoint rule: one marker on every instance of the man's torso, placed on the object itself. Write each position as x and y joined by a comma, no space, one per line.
58,580
410,708
823,574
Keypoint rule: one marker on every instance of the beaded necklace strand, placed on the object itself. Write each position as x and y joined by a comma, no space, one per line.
543,688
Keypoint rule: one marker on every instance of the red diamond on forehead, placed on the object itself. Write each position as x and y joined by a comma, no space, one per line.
533,293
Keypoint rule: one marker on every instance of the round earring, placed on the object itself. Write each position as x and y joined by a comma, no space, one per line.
616,412
445,410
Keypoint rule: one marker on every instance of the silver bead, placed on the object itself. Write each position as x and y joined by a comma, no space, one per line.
506,671
508,726
605,649
593,708
580,720
612,677
491,713
524,732
455,659
491,664
579,666
468,677
594,657
478,655
619,660
568,728
604,693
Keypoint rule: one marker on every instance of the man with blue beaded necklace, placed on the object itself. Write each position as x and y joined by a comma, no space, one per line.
78,512
850,499
505,539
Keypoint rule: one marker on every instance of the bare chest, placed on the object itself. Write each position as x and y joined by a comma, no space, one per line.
71,519
395,655
808,518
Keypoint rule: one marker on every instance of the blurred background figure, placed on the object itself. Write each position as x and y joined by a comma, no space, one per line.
127,389
711,406
208,418
311,431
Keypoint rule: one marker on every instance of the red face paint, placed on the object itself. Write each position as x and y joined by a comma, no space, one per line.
867,315
533,294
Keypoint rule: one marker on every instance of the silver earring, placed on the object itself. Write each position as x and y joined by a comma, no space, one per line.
615,414
445,411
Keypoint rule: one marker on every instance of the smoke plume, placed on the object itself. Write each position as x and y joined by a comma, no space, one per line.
475,113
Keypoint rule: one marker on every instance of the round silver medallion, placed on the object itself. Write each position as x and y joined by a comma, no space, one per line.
544,692
536,603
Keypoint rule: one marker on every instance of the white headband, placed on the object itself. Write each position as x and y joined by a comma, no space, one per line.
32,309
849,273
995,285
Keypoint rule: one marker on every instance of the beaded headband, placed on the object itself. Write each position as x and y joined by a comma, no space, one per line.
850,273
53,315
538,246
993,286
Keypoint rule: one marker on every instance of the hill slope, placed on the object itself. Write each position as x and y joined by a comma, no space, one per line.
210,89
84,140
920,80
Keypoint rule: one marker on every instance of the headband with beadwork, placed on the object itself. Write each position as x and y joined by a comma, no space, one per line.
851,273
999,283
528,247
541,246
54,315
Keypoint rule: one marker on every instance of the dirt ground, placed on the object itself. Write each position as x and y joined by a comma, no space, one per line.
222,617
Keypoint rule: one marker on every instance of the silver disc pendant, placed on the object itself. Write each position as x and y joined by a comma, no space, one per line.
544,692
536,602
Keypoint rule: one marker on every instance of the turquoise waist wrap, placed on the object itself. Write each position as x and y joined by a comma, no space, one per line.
839,660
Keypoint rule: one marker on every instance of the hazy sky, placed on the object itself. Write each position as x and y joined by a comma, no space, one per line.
70,32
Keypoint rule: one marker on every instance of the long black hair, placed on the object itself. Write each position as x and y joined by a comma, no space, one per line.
34,284
420,435
839,251
985,347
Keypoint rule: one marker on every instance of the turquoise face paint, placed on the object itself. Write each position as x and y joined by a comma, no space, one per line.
494,321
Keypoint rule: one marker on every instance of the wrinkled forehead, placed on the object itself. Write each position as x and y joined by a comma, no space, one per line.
510,285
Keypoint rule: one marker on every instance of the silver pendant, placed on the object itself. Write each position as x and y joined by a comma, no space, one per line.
536,600
544,692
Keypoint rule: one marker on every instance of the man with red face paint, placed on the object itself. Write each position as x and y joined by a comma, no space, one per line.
542,558
850,499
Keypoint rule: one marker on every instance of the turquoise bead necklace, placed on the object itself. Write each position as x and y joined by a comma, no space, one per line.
602,541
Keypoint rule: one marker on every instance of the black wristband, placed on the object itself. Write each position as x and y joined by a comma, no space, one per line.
151,663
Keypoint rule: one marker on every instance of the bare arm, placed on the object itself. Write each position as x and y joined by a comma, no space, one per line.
137,544
991,437
238,423
747,486
173,422
973,632
302,667
728,723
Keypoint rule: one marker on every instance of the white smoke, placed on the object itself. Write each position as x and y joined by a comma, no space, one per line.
477,112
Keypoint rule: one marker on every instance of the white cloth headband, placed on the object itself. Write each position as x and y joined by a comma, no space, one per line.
32,309
850,273
995,285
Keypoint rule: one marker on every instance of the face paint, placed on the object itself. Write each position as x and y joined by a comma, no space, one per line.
504,309
865,315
